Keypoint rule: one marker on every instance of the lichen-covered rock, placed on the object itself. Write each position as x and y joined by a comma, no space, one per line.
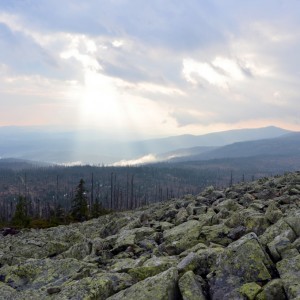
192,209
190,229
78,251
7,292
273,290
130,237
37,273
141,273
203,244
296,244
294,223
195,248
230,205
97,287
125,264
162,260
279,228
289,271
189,263
190,288
237,232
257,223
278,247
160,287
216,233
181,216
208,259
243,261
273,213
183,236
250,290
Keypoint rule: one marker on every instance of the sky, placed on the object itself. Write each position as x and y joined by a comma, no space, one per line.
150,68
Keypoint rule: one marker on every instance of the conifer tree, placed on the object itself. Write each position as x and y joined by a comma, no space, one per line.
79,210
21,217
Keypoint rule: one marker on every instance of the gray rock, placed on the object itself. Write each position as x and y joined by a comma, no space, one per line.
273,214
273,290
289,271
189,263
244,261
160,287
190,288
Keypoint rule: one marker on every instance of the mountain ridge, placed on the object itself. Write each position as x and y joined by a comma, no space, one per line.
65,147
287,144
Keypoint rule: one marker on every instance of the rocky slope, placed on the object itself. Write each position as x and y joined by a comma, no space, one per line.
240,243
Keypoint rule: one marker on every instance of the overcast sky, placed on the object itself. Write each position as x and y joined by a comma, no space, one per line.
150,68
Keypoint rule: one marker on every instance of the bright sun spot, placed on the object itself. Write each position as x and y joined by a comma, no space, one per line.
100,99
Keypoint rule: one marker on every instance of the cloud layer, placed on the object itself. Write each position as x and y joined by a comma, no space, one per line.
150,68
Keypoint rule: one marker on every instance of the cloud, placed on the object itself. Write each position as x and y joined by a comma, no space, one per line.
150,67
150,158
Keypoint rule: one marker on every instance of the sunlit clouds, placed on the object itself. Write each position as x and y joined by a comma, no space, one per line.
150,70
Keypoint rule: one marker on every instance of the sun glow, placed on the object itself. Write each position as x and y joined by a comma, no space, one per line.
100,97
111,105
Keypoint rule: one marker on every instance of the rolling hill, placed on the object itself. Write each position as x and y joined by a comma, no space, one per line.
89,147
285,145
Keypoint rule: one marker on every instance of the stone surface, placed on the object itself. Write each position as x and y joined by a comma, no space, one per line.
273,290
250,290
190,288
244,261
160,287
289,271
240,243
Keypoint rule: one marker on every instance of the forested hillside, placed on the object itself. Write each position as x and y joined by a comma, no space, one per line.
49,191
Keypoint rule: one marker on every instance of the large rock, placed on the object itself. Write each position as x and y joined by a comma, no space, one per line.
208,259
250,290
38,273
273,213
244,261
160,287
279,228
183,236
289,271
189,263
130,237
294,223
7,292
190,288
216,234
190,229
273,290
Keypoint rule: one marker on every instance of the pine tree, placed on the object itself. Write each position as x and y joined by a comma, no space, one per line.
79,210
20,217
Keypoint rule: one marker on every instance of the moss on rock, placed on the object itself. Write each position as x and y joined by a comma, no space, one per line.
250,290
190,288
160,287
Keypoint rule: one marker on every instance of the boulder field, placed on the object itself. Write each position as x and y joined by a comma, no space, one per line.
242,242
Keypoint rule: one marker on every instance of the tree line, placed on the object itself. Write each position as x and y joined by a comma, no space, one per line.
48,193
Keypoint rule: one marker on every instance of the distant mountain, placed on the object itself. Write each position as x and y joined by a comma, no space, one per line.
89,147
285,145
215,139
19,164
